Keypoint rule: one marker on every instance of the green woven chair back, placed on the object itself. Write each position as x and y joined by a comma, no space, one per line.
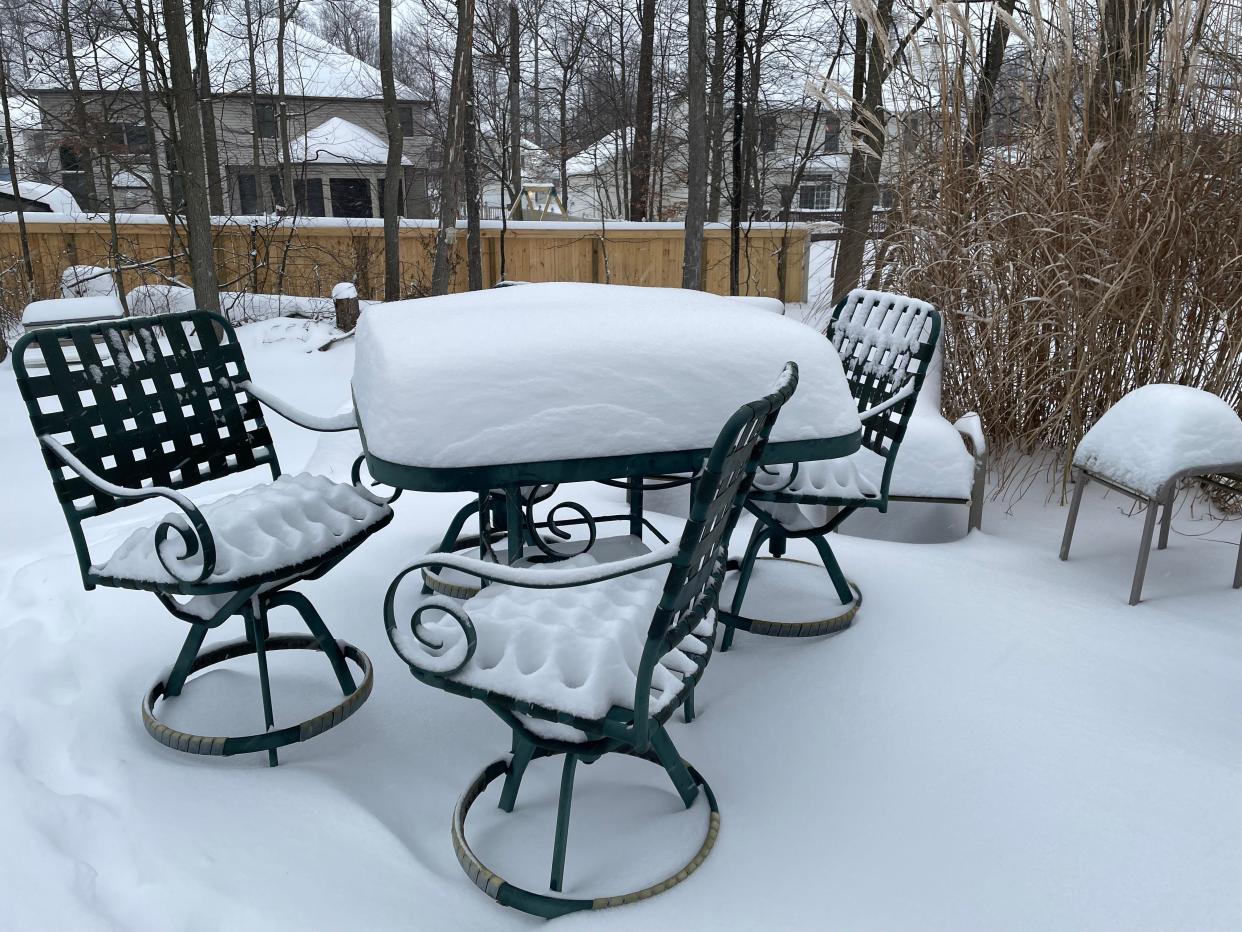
692,588
886,343
143,401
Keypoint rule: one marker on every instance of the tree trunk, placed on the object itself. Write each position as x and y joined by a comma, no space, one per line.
144,85
739,96
190,159
715,114
640,157
515,112
282,109
392,170
985,88
81,128
450,169
696,158
470,159
211,148
1126,32
23,237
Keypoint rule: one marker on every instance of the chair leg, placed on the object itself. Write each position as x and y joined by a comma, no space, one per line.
562,822
185,660
671,761
1166,518
844,593
1140,570
1080,483
256,623
687,708
523,752
777,544
1237,573
758,535
323,637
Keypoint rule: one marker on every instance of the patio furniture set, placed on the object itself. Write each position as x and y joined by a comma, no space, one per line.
623,625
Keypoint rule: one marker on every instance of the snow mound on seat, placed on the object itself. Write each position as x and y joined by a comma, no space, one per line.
576,650
932,461
265,529
1157,431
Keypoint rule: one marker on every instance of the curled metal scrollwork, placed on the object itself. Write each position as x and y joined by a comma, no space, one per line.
431,656
766,489
356,478
554,527
195,536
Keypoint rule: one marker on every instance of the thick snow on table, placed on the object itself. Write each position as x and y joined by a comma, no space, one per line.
1157,431
558,371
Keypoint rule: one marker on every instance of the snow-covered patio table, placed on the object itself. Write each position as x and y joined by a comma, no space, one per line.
552,383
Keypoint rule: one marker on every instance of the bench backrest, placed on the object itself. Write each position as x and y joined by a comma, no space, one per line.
142,401
886,343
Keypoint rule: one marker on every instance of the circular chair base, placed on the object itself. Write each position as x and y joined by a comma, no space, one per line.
795,629
545,905
270,740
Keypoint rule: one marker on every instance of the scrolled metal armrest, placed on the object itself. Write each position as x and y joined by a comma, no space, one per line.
334,423
360,486
425,654
195,538
529,577
762,490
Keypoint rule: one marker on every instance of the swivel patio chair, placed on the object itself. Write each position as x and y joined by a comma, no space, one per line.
622,646
886,343
147,407
1147,446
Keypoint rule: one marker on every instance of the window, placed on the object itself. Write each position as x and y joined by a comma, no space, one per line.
309,194
247,194
278,192
405,113
73,175
128,137
815,196
887,197
832,134
400,198
769,129
265,120
351,197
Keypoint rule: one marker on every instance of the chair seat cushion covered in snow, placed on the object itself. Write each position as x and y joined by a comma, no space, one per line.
273,528
1158,432
577,650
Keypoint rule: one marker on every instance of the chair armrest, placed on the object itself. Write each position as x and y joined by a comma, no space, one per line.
529,577
346,420
970,426
196,536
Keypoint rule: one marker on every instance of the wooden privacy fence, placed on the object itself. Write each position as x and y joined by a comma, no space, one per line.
310,256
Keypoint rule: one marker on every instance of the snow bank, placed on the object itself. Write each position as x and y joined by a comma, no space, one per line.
70,310
556,371
85,281
1157,431
237,306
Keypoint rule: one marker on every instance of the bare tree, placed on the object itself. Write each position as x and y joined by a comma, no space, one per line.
27,265
392,168
450,163
696,106
211,146
640,158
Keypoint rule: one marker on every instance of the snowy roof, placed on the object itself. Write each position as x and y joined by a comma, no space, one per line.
601,153
339,142
54,196
313,67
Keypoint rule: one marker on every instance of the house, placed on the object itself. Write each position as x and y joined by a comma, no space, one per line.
333,111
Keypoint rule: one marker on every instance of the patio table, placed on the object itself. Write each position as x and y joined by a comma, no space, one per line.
521,388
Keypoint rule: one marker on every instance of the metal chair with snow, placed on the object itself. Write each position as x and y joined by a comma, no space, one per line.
886,342
147,407
597,667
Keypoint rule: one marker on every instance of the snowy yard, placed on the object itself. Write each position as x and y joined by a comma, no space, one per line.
999,742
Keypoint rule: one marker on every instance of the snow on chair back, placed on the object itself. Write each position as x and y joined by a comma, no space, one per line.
693,584
143,402
886,342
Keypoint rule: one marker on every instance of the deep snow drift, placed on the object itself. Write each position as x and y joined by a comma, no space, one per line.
998,743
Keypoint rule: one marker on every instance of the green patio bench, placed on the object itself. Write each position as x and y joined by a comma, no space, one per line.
886,343
148,407
605,619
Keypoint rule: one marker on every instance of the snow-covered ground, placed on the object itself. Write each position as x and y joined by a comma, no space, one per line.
999,742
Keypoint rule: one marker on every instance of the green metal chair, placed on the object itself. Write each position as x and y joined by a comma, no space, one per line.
886,342
600,666
146,407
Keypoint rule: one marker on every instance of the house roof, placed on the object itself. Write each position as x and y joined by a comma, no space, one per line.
54,196
313,67
339,142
